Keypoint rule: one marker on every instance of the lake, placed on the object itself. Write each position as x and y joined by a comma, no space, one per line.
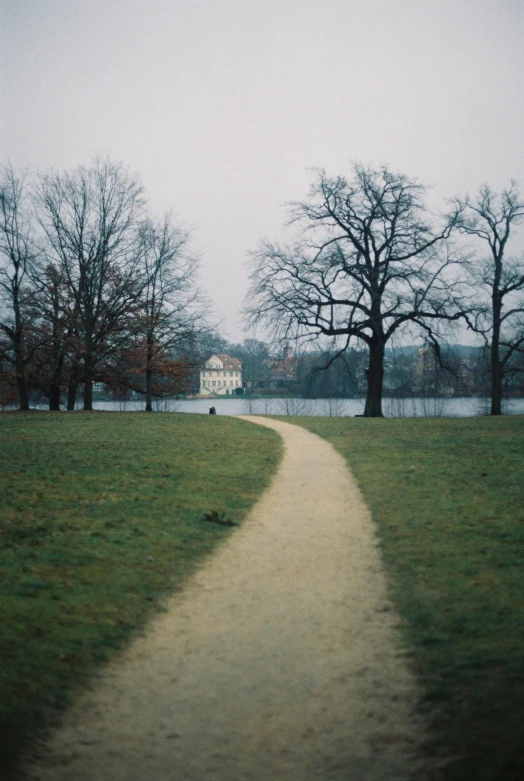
392,407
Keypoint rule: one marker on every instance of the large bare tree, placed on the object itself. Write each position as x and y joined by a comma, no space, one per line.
17,255
368,262
491,218
91,218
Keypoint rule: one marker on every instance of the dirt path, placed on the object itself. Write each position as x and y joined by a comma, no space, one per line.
279,661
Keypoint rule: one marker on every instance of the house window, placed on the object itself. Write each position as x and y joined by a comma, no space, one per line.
213,382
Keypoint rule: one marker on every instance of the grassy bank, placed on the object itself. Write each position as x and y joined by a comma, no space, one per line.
101,515
447,496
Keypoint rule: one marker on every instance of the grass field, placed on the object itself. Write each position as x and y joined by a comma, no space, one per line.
447,496
102,515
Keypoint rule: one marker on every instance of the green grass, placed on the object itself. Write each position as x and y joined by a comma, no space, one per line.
447,496
101,516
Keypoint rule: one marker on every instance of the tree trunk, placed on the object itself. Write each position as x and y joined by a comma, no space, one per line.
23,394
54,397
18,345
149,372
496,385
88,382
71,394
496,363
149,389
375,378
55,386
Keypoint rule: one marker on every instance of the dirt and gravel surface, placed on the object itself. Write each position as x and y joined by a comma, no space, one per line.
280,661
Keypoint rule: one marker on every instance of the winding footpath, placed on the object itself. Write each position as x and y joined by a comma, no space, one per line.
280,660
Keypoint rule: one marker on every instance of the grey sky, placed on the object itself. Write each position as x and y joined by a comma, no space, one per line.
222,105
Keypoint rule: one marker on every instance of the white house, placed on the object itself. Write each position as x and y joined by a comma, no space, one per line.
221,376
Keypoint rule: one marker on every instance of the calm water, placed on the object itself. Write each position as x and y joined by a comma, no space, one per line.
410,408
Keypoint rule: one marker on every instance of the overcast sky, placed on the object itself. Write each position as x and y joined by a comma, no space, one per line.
222,106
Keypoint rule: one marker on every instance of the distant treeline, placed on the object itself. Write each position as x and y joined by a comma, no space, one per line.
409,371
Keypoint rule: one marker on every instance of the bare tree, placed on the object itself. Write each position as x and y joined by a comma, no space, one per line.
171,313
491,218
55,361
368,262
17,254
90,218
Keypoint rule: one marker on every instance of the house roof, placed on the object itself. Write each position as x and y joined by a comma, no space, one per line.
228,362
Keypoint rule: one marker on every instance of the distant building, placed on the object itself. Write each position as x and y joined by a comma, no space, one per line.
221,376
463,376
281,373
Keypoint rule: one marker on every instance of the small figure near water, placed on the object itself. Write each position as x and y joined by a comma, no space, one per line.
212,411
